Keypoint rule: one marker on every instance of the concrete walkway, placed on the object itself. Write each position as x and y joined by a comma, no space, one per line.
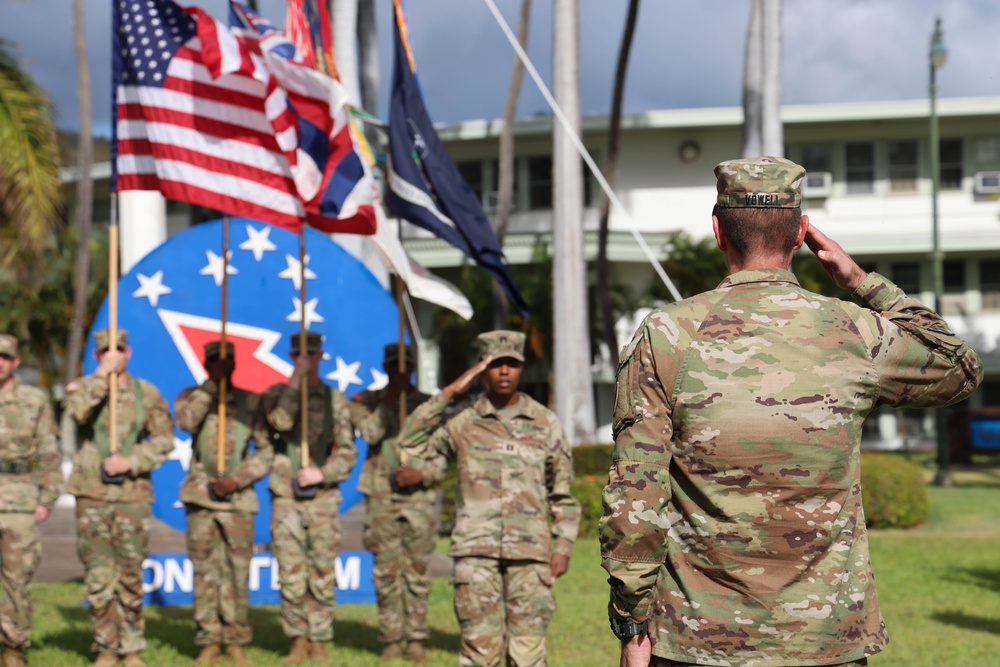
61,563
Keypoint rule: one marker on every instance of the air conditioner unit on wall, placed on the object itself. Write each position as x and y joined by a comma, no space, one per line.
987,182
817,184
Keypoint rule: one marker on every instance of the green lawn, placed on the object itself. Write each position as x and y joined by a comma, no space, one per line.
939,587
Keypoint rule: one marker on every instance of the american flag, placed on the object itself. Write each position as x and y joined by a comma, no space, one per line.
205,116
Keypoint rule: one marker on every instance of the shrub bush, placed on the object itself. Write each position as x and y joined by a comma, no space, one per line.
893,491
587,490
592,460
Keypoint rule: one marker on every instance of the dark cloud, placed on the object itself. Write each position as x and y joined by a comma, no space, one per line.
685,54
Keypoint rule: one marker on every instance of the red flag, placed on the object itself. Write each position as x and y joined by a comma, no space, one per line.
307,24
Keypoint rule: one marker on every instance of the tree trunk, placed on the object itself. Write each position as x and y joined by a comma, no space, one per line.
610,166
84,196
505,181
571,331
772,134
84,207
367,55
344,17
753,83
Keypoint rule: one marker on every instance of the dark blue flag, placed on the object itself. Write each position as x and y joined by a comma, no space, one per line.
424,185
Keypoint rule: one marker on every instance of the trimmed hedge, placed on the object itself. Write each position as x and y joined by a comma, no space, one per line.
893,491
590,466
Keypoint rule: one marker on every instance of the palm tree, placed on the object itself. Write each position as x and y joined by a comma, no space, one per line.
610,166
574,398
505,165
29,170
84,197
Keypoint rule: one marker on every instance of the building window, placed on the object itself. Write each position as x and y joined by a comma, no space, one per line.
951,164
472,172
540,182
859,167
989,283
990,391
953,279
903,166
816,158
906,275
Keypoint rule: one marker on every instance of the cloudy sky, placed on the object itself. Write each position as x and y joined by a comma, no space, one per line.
686,54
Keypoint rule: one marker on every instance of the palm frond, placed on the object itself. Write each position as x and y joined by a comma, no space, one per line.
30,193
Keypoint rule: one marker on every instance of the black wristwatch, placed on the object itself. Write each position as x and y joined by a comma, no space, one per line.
626,629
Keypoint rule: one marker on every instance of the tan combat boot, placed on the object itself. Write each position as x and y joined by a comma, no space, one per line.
317,652
298,653
133,660
105,660
208,654
415,651
13,657
237,656
392,651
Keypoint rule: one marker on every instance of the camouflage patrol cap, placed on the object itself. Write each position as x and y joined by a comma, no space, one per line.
8,345
761,182
501,343
390,354
101,340
314,343
212,350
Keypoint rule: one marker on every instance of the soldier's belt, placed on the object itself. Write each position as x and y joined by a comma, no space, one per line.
15,467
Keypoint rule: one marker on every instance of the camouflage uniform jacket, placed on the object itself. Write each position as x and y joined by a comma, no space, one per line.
379,427
197,413
28,437
84,403
732,516
281,408
512,475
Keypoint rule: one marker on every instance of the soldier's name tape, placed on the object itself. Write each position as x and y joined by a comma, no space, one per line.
168,579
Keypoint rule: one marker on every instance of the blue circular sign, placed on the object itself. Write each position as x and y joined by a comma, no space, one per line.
170,303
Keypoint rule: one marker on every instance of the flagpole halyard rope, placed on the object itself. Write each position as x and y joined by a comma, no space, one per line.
619,208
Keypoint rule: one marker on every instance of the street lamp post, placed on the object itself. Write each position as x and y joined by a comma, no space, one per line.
938,55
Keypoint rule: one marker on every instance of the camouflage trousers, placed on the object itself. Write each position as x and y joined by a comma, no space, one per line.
20,552
113,540
657,661
504,608
220,545
305,538
402,540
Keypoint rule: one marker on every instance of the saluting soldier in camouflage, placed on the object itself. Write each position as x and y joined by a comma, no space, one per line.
514,472
221,507
399,522
30,482
733,530
305,533
113,519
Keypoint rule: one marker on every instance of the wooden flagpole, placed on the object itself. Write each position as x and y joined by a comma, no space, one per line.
220,439
113,324
304,381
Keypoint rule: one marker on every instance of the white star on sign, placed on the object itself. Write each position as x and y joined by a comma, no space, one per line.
311,314
214,266
182,452
379,380
152,288
345,375
294,271
258,242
